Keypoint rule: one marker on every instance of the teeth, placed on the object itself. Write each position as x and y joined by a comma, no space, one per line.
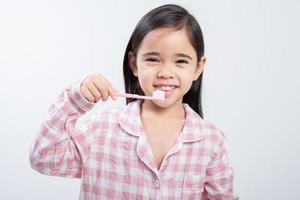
166,88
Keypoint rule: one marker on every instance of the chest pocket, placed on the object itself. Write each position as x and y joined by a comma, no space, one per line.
193,186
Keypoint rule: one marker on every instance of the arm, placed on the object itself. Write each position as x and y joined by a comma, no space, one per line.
59,148
219,176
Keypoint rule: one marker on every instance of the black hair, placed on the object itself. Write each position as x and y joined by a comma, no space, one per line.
166,16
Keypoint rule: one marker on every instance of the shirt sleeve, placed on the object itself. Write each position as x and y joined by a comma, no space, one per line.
60,148
219,175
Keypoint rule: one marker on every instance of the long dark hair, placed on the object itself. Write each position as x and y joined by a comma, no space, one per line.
166,16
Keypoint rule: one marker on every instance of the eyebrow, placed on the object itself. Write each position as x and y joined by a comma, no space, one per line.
153,53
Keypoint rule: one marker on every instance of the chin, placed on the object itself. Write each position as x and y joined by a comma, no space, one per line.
165,104
161,104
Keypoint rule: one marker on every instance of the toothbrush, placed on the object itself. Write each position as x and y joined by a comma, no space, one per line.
157,95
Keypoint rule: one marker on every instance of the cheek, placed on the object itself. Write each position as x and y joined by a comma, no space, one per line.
188,85
186,81
146,77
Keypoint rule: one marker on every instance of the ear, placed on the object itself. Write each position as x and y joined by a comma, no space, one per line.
200,67
132,63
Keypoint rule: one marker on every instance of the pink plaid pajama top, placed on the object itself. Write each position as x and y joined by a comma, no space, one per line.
111,154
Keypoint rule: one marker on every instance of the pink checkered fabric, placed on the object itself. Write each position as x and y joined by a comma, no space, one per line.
112,156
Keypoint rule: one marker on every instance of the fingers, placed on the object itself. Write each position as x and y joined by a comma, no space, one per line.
102,89
87,93
95,92
96,87
112,92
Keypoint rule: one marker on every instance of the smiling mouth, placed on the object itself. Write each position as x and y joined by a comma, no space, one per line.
165,88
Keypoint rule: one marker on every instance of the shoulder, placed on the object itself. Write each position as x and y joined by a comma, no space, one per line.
213,133
213,137
203,129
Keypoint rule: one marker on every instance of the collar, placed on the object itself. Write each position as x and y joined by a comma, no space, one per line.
130,121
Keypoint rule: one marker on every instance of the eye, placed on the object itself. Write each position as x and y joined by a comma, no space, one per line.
182,61
151,59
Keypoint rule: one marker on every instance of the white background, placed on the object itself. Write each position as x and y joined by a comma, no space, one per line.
251,83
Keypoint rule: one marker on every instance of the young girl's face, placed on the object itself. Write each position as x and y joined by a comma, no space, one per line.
166,61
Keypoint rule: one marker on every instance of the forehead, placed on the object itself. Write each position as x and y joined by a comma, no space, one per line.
166,40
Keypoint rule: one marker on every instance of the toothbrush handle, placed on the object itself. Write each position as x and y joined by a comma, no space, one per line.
134,96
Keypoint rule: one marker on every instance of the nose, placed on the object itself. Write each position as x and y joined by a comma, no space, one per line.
165,73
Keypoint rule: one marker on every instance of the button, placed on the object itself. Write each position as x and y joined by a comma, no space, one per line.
157,183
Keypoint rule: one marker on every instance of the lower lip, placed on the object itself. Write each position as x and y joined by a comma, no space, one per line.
168,93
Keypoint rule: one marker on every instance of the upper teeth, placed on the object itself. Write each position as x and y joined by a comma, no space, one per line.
166,87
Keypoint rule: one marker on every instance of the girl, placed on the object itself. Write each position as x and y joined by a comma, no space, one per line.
150,149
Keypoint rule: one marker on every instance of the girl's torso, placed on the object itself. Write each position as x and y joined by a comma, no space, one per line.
129,159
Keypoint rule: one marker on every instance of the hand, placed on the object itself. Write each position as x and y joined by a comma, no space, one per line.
95,87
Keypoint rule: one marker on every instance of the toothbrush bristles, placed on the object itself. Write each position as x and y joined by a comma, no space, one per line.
159,95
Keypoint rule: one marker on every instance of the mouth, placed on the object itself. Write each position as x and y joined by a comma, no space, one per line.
168,89
165,88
